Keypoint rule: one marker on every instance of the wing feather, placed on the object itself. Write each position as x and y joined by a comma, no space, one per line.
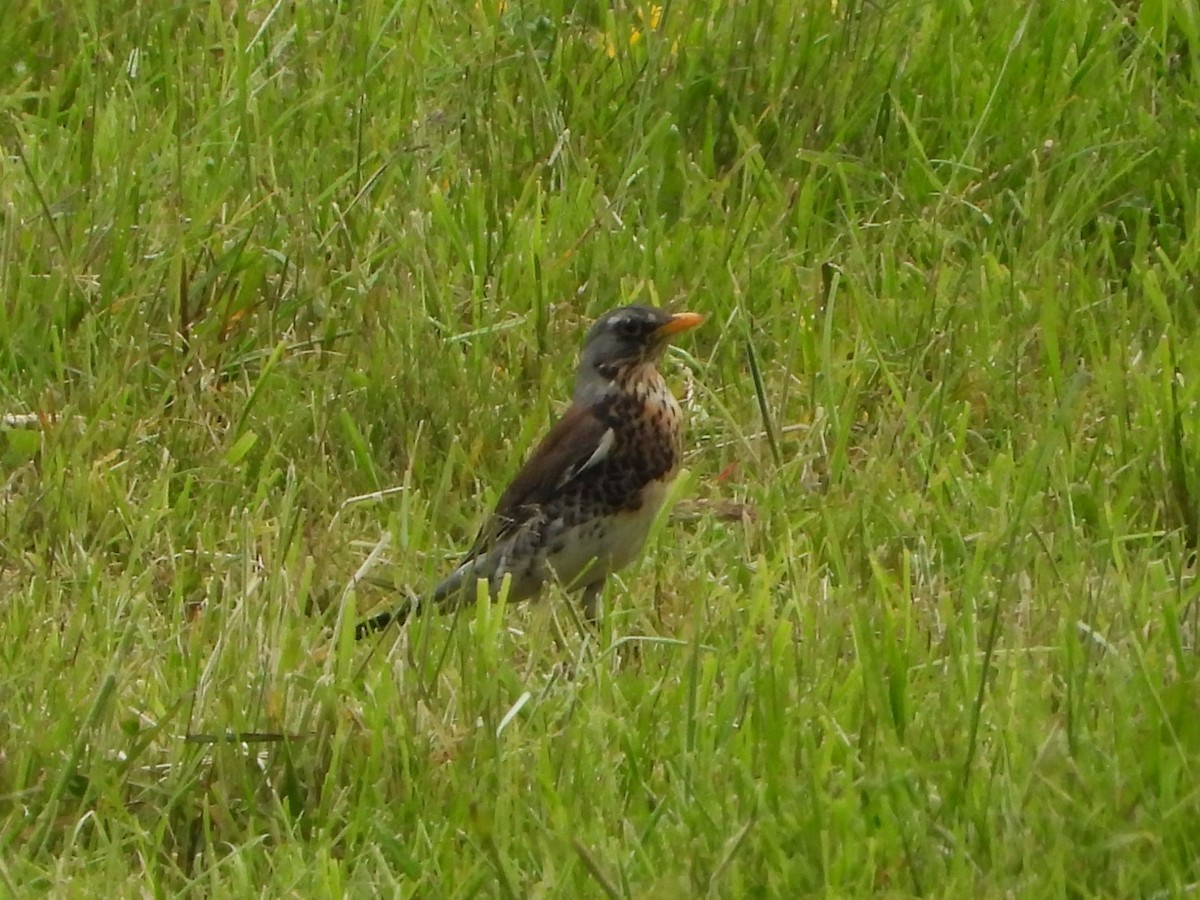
578,441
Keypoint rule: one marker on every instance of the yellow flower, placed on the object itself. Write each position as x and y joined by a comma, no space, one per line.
649,16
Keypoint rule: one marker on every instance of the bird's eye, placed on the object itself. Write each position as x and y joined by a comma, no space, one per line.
628,328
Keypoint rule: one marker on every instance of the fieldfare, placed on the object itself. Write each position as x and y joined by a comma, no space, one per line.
582,505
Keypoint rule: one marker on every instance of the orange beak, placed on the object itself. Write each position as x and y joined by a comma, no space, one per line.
677,323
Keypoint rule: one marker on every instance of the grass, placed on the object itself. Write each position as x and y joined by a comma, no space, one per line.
260,261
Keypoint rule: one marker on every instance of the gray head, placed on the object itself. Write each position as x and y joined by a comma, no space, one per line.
622,337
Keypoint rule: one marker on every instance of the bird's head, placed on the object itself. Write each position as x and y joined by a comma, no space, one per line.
623,337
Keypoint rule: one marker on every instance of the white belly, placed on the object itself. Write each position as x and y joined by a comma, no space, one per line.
601,548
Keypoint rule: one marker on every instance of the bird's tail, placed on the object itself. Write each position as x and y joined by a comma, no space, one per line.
399,615
444,598
377,623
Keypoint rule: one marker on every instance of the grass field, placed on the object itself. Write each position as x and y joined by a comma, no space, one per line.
287,289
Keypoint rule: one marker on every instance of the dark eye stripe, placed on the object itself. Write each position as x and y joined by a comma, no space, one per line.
628,327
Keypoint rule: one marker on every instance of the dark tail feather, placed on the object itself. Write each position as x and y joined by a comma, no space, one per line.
376,624
445,597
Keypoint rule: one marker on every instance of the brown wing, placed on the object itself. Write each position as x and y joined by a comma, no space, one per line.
576,442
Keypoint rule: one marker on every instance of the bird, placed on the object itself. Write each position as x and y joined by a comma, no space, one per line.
582,505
